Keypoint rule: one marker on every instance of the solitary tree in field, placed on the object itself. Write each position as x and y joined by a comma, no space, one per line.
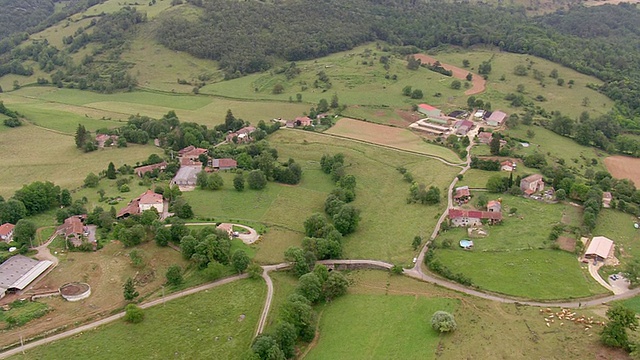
130,292
465,63
614,333
240,261
174,275
82,136
443,321
133,314
111,171
238,182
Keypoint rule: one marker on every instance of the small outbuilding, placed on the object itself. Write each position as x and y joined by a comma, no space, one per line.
496,118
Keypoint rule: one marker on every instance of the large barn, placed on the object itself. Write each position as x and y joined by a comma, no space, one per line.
19,271
600,248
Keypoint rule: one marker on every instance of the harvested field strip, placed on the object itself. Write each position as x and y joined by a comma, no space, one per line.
393,137
624,167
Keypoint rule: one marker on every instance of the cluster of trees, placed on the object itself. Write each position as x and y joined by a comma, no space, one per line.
297,321
208,248
614,333
412,93
12,116
84,140
437,67
603,132
457,144
345,216
485,164
418,193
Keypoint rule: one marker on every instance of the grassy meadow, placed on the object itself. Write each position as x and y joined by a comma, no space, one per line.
530,274
378,183
385,315
204,325
486,330
565,99
71,104
30,153
618,227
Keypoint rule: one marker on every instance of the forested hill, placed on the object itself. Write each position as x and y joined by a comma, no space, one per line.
19,15
249,36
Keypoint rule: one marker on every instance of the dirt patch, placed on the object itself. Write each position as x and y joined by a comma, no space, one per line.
566,243
624,167
478,84
408,116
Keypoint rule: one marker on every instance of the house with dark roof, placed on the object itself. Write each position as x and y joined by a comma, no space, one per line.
462,195
6,232
532,184
141,170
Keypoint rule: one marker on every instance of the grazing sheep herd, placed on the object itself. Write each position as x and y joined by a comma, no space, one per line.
568,315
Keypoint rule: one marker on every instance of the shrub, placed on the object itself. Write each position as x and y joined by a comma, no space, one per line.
133,314
443,321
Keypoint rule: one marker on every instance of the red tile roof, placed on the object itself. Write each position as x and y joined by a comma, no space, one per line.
140,171
462,191
5,229
72,226
149,197
476,214
532,178
427,107
225,163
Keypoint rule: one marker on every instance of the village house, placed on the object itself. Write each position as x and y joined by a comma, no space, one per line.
102,139
496,118
242,136
606,199
508,165
140,171
494,206
304,121
192,153
6,232
223,164
462,127
142,203
485,137
532,184
429,110
462,195
460,217
74,230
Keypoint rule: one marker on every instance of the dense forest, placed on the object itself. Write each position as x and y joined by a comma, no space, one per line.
17,16
248,37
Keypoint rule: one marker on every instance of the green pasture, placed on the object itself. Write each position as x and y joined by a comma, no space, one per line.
50,117
559,98
379,327
528,229
32,154
618,226
557,147
206,110
388,223
633,303
21,312
531,274
203,325
353,82
272,245
376,115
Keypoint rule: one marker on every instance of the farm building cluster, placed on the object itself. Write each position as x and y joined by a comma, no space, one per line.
457,123
466,218
193,160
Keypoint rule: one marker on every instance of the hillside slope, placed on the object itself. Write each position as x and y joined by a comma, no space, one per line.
20,15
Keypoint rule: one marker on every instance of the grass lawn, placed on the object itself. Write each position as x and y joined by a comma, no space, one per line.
388,223
528,229
284,284
534,274
21,312
272,245
486,329
344,323
32,154
618,227
555,147
354,82
559,98
633,303
64,120
180,328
